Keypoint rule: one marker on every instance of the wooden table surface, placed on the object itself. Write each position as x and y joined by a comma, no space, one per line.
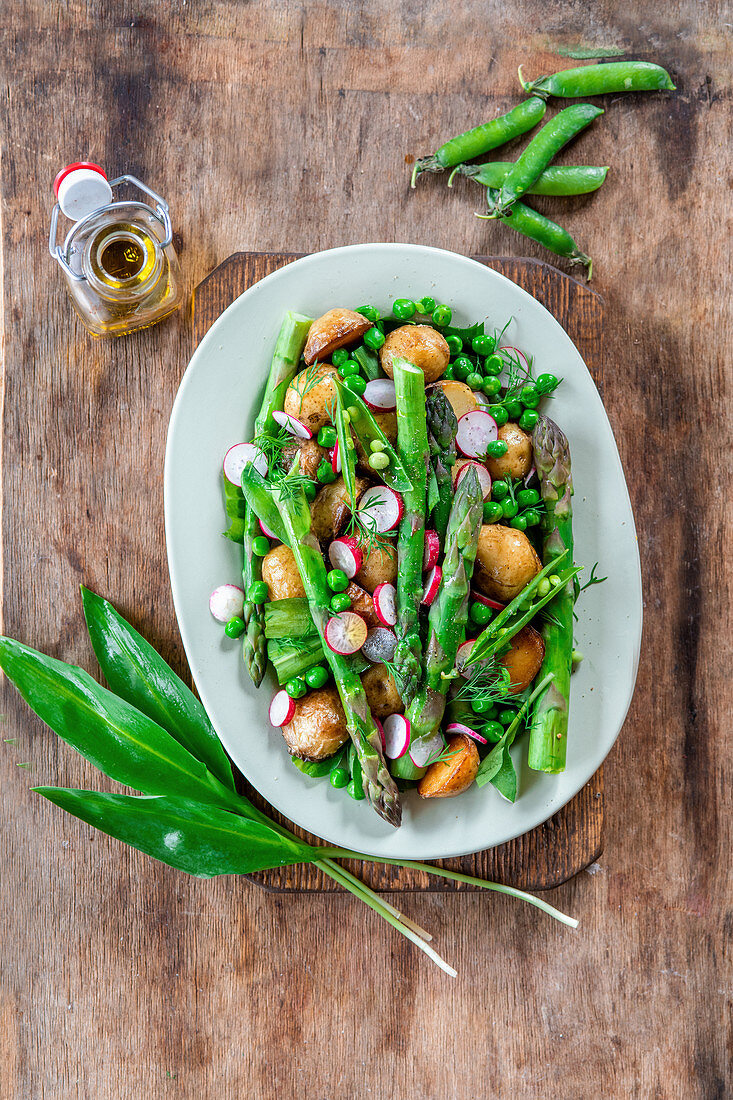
285,127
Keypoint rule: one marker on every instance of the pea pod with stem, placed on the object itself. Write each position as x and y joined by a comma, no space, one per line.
585,80
476,142
543,147
572,179
530,223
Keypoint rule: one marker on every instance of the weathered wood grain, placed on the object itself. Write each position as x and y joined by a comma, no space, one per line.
573,838
285,126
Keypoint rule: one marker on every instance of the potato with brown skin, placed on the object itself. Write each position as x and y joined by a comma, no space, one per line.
381,692
379,566
281,575
363,604
387,421
335,329
524,658
505,562
460,396
318,727
447,778
331,509
310,455
419,344
310,396
517,462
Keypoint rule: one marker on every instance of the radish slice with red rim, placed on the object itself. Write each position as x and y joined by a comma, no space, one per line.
458,727
464,652
239,456
426,749
380,395
532,474
432,585
385,603
336,458
380,728
432,550
396,736
380,508
476,429
380,645
483,475
509,348
345,553
480,598
345,633
282,709
292,424
226,602
481,399
266,531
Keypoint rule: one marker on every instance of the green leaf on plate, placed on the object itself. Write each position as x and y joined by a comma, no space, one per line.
201,840
139,675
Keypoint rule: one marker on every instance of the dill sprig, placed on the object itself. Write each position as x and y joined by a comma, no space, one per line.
363,527
486,684
306,380
593,579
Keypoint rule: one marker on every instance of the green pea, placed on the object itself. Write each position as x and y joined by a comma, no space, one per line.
506,716
528,419
340,602
462,367
491,712
403,308
483,344
499,414
492,511
426,305
374,339
339,357
493,364
513,408
543,588
509,509
480,612
369,312
499,490
235,627
546,383
474,380
349,369
260,546
327,436
455,344
325,473
442,316
491,386
379,461
527,496
497,448
493,731
353,412
554,580
529,396
339,777
258,592
316,677
310,489
376,445
356,384
449,372
519,523
355,790
480,706
337,580
296,688
533,517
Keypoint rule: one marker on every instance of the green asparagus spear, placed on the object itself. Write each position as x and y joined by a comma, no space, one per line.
442,427
549,726
412,446
379,786
449,610
288,349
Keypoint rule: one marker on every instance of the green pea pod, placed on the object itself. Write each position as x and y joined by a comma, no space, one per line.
476,142
367,431
542,148
617,76
258,494
523,219
575,179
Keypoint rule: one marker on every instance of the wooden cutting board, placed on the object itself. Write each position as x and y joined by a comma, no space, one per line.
573,838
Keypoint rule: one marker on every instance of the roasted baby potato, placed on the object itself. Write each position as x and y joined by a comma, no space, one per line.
334,329
517,462
459,395
331,509
421,345
318,727
381,692
281,574
363,604
379,566
524,658
310,456
505,562
387,421
452,776
310,395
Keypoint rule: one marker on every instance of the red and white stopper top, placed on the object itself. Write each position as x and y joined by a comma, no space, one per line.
81,188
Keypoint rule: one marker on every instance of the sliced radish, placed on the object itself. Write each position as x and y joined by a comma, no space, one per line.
385,603
475,431
282,709
292,424
380,645
532,473
266,531
458,727
225,602
464,652
480,598
432,585
380,395
345,553
381,508
380,728
510,348
424,749
482,400
239,456
484,477
336,458
345,633
396,736
432,550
